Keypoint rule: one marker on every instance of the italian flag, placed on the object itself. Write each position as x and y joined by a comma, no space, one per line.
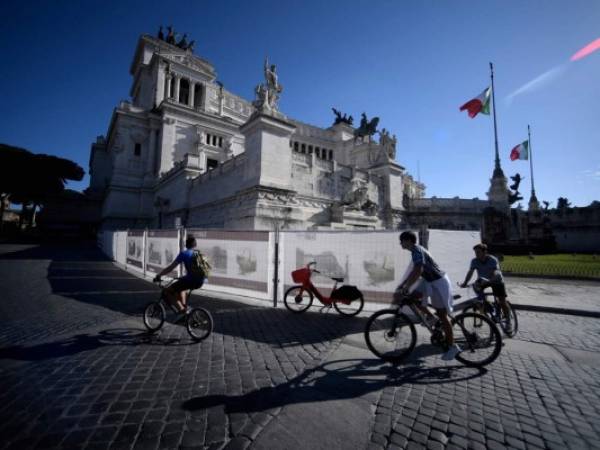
521,151
480,104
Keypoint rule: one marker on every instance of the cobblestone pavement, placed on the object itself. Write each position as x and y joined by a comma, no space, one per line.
77,370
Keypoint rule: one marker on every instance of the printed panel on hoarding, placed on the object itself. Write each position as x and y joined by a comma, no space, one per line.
374,262
162,247
453,251
239,259
135,244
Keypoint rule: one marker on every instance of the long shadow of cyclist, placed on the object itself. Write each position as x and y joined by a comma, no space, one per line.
335,380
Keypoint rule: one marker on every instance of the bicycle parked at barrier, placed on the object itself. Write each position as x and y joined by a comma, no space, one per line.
391,335
488,304
198,321
347,300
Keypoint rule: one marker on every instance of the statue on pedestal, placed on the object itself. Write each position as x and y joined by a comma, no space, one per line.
342,119
267,95
366,128
170,39
388,143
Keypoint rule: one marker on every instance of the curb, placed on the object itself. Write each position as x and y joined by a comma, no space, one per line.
549,277
564,311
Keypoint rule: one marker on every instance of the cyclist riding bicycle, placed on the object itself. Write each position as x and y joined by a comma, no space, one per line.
488,275
175,294
435,284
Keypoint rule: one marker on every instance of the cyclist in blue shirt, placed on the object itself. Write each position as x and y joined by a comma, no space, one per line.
175,294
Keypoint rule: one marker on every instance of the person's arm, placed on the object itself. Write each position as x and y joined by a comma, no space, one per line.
169,268
467,278
497,274
412,277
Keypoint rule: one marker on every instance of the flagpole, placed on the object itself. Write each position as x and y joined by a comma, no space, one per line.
530,162
497,169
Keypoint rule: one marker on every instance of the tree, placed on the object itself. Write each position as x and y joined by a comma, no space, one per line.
29,178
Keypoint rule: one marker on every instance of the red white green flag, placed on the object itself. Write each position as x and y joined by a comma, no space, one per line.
480,104
521,151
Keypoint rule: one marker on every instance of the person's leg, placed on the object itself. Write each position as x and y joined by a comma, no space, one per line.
446,325
442,301
183,299
175,297
171,296
500,293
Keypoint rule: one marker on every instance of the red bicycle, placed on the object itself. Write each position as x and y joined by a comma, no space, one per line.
347,300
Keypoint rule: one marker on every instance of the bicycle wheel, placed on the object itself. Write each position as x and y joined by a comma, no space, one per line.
199,323
351,309
297,301
390,335
477,310
480,345
154,316
510,323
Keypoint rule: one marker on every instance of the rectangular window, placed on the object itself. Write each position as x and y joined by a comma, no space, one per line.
137,151
310,149
296,147
211,163
220,142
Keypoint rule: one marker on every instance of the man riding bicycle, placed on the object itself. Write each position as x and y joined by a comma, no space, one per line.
435,284
175,294
488,275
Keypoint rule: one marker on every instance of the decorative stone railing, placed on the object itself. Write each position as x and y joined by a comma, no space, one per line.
323,164
302,158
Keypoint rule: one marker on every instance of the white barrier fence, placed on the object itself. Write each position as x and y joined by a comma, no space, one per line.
259,263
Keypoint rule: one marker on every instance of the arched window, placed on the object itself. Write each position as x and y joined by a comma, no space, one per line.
330,155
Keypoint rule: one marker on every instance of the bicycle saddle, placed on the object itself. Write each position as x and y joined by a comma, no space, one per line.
338,279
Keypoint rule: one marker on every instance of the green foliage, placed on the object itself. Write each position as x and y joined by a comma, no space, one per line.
28,177
562,265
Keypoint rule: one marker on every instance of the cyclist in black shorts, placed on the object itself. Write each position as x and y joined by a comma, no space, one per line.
175,294
489,274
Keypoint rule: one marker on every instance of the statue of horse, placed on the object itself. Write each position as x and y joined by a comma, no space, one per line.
366,128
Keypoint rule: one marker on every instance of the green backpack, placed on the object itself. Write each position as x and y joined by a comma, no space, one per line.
200,266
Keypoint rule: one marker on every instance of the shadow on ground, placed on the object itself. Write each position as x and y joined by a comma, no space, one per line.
336,380
79,271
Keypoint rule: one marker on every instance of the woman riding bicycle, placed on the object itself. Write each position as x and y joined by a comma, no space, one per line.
175,294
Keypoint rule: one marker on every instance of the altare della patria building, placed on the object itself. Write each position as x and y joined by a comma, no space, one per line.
187,152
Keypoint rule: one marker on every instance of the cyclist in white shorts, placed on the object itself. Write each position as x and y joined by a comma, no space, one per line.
436,285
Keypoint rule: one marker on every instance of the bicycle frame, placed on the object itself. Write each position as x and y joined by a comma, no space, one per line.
411,304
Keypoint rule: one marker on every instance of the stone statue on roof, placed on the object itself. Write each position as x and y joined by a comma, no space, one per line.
267,94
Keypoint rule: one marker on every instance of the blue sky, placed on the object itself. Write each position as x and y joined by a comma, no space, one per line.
412,63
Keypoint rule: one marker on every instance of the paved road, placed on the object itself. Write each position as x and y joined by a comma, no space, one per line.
77,370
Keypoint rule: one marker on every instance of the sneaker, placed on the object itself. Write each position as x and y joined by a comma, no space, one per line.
451,353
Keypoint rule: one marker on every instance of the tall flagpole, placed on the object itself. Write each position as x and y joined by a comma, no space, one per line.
497,169
533,202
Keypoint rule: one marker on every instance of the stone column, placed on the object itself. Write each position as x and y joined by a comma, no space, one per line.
168,78
221,100
191,96
177,84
